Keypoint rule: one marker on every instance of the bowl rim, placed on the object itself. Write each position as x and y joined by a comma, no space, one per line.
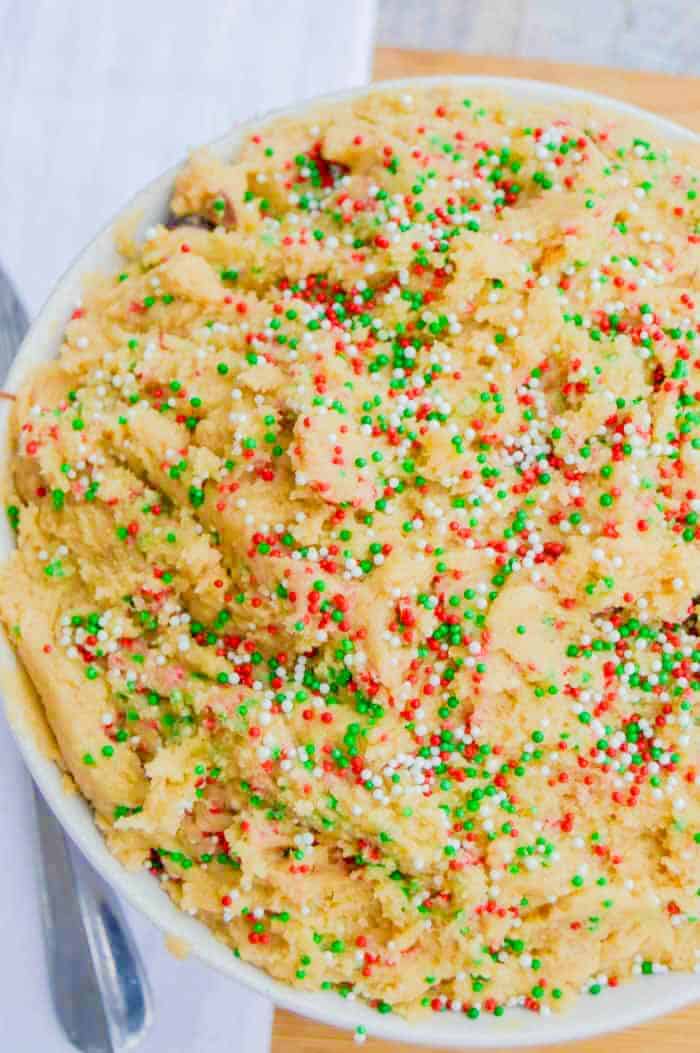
515,1029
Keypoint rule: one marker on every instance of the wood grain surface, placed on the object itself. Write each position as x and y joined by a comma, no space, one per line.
674,97
679,99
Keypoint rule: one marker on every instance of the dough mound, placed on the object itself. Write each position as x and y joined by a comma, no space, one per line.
357,547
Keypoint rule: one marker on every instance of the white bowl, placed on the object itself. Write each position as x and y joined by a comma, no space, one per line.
612,1009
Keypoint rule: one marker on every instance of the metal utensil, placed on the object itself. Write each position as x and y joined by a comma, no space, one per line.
98,983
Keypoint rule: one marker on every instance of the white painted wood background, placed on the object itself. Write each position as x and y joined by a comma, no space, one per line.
661,35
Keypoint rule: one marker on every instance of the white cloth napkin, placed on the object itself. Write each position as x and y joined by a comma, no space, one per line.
95,100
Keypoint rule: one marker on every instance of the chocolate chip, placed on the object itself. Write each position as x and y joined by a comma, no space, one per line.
189,220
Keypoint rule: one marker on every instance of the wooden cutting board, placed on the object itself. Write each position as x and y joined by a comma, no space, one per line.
679,99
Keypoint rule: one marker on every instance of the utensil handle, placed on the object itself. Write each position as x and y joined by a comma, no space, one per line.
120,971
98,984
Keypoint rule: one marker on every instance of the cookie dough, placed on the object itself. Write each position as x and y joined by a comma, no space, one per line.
357,548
